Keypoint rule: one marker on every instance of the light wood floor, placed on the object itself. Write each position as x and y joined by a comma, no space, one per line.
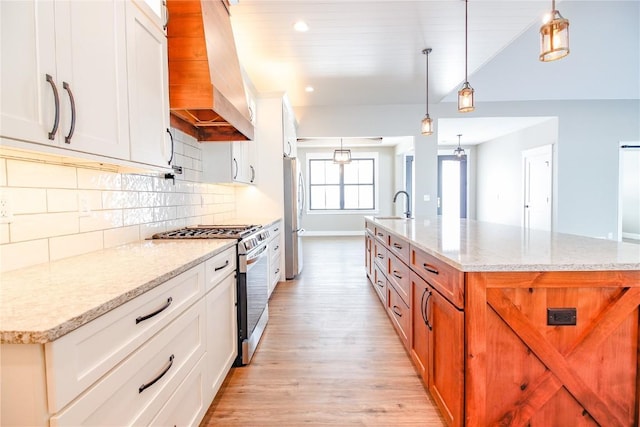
329,355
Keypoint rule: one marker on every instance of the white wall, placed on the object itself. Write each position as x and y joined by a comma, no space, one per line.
348,223
587,149
499,179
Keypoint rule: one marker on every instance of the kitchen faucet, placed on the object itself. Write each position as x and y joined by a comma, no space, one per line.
408,211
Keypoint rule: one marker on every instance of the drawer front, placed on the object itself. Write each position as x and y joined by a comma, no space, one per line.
80,358
134,392
275,270
219,267
275,229
400,315
380,284
380,255
381,235
188,404
446,279
370,227
400,248
398,275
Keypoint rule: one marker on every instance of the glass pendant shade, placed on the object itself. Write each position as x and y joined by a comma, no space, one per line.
465,99
342,156
427,125
459,151
554,38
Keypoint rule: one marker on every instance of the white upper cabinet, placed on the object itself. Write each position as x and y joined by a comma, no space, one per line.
289,139
87,76
148,89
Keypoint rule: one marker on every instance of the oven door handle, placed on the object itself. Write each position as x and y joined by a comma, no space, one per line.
254,257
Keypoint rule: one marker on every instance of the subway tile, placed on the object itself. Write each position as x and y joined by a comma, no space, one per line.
26,200
148,199
23,254
63,200
138,216
4,234
91,199
121,236
120,199
42,175
137,183
90,179
149,229
163,185
175,199
197,165
164,213
193,152
38,226
101,220
77,244
3,172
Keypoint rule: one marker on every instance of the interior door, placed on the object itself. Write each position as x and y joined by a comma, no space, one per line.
537,169
452,186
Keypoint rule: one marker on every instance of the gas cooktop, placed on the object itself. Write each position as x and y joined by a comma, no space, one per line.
209,232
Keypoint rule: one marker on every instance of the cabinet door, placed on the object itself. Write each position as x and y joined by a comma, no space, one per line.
421,293
289,130
446,357
27,56
148,72
91,60
221,334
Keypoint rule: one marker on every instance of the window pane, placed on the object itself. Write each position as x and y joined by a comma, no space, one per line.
332,172
351,172
351,198
333,197
316,172
366,196
365,172
325,197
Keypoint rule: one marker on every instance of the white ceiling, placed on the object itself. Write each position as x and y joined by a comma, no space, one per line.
368,52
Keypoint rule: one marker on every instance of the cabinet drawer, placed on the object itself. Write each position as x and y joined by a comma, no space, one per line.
400,315
219,267
188,404
370,227
399,247
275,269
381,235
446,279
78,359
398,275
380,255
134,392
380,284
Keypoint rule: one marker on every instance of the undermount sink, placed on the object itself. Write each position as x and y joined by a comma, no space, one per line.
390,217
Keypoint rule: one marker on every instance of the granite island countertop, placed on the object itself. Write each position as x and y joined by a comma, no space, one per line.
41,303
470,246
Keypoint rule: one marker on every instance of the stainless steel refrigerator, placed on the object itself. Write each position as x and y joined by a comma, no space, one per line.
294,203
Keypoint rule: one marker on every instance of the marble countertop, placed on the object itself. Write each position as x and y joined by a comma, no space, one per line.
41,303
471,245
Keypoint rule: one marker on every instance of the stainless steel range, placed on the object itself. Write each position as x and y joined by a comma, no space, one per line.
252,278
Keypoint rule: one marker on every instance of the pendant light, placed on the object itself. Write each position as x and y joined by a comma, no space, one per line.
554,36
427,123
459,151
465,94
341,155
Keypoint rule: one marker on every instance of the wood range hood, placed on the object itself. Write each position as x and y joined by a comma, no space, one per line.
206,90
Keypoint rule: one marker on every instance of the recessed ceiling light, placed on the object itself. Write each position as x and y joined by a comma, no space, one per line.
309,89
301,26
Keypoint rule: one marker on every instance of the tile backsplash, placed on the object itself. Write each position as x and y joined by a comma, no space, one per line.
60,210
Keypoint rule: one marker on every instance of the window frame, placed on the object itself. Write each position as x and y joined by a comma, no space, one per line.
328,156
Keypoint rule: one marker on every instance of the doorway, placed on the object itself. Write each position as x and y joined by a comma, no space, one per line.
537,168
452,186
629,193
408,179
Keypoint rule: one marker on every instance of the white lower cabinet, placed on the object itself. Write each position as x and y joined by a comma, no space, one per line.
158,359
134,392
275,251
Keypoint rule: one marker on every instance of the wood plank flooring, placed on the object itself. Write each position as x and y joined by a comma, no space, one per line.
329,355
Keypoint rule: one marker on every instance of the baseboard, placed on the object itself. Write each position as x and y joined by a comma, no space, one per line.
632,236
332,233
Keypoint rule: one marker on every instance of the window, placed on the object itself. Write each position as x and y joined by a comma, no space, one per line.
348,186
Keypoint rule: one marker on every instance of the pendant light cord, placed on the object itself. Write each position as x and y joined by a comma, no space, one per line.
466,53
427,51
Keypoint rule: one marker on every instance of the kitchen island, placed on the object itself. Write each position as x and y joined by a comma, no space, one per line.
513,327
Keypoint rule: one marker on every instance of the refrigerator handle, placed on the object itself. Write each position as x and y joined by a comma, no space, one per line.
299,231
302,192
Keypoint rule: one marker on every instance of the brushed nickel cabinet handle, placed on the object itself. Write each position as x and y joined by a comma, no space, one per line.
145,386
171,137
396,312
397,246
380,283
397,274
56,101
67,139
155,313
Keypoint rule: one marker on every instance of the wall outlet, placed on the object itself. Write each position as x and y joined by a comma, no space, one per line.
6,210
427,197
